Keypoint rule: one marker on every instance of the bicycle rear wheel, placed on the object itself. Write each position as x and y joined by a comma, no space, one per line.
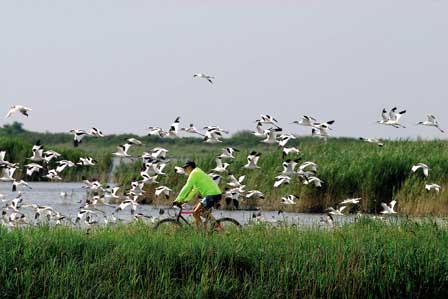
228,224
167,225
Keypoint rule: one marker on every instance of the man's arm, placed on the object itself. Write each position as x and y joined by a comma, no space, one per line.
185,190
191,195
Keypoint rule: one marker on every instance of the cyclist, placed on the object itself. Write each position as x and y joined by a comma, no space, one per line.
199,182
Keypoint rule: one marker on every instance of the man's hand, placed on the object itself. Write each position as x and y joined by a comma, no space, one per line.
177,204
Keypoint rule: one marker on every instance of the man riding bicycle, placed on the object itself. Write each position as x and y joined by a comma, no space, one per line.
199,182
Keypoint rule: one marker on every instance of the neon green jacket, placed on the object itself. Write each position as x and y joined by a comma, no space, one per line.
198,181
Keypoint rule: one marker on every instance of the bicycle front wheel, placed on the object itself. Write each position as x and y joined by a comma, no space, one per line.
167,225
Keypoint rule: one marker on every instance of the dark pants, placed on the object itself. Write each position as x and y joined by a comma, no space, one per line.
210,201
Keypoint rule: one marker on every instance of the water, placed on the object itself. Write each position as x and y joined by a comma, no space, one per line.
49,194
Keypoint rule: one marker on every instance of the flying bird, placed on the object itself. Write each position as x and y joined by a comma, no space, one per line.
18,108
431,121
204,76
392,118
389,208
425,168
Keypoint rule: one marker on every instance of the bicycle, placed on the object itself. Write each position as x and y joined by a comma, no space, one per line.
178,221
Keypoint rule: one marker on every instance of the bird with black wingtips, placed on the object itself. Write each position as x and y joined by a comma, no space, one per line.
18,109
204,76
78,136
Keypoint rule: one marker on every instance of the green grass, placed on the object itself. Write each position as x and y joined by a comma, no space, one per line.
367,259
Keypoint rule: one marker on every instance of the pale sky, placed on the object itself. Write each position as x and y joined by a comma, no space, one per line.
126,65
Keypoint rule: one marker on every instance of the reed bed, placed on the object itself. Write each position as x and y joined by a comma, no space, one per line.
368,259
348,167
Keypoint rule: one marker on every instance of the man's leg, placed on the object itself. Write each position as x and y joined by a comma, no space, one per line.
197,212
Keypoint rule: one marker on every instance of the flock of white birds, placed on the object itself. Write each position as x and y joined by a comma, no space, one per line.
155,161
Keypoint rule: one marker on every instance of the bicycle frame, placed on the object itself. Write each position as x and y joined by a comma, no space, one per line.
181,212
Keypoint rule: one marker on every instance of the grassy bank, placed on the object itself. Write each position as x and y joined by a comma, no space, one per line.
367,259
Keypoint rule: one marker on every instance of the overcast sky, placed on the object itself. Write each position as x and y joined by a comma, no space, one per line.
126,65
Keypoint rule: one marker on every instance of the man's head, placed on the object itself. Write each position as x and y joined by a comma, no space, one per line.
189,166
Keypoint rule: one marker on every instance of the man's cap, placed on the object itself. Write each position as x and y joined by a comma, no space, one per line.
189,163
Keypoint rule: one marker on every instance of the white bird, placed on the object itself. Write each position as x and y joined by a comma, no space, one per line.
179,170
78,135
353,201
430,187
212,136
53,175
147,179
284,139
128,203
289,200
313,180
163,190
38,152
431,122
259,131
252,160
134,141
155,168
235,183
306,121
216,128
51,155
94,132
204,76
327,219
16,184
289,166
271,135
157,131
232,196
267,119
32,168
325,125
308,164
63,164
39,210
220,166
122,150
112,193
215,177
321,133
290,150
192,130
389,208
338,211
255,194
18,108
8,174
228,152
88,161
372,140
423,166
83,213
280,180
392,118
174,128
93,185
159,153
2,159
